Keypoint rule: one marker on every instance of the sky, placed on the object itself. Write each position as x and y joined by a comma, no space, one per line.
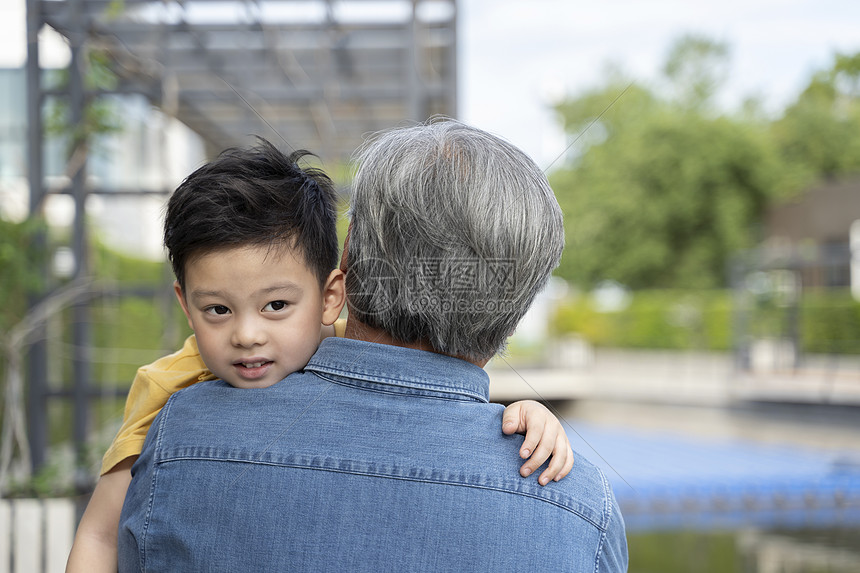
516,58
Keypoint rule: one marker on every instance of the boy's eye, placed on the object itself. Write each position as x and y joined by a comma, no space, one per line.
217,309
275,305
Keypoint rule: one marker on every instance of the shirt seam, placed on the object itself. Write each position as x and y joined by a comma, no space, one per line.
607,510
165,412
419,393
394,382
386,476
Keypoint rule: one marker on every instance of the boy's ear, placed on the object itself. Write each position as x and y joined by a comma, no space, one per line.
333,296
182,302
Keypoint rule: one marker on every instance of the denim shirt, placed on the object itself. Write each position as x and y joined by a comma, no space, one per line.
373,458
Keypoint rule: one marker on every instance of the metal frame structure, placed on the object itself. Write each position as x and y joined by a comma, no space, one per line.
775,280
312,74
318,74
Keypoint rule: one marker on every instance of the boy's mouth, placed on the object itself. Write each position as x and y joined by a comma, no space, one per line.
253,369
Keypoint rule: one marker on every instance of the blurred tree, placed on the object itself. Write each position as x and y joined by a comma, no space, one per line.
819,134
663,190
665,201
100,115
21,263
696,67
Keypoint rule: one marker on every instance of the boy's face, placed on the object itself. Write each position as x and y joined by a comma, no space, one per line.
256,312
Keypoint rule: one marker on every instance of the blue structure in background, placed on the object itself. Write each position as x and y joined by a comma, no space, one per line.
667,482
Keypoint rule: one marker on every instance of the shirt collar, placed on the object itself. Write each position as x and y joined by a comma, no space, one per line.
396,369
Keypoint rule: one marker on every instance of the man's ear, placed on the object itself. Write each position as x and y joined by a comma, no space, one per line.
182,302
333,296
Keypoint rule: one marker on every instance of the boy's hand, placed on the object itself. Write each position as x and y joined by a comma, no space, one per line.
544,437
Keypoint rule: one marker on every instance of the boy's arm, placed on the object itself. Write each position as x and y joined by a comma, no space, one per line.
152,386
95,546
545,436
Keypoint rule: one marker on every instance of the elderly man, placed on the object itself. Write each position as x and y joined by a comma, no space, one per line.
383,454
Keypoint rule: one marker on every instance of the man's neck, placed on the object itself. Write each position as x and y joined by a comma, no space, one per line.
357,330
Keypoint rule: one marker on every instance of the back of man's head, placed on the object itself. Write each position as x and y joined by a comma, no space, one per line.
454,231
254,196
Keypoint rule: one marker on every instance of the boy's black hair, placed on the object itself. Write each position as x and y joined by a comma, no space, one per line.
253,196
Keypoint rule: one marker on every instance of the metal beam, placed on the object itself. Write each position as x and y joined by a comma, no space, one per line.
81,336
37,357
328,67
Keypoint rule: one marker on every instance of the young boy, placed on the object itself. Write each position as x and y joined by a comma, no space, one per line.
252,240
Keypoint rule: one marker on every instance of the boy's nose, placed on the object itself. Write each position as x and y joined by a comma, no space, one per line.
248,333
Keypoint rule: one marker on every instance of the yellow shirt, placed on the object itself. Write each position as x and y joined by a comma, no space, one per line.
152,386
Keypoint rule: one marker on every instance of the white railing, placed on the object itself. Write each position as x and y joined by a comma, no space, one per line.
36,534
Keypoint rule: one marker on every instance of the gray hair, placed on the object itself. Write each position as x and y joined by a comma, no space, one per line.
454,232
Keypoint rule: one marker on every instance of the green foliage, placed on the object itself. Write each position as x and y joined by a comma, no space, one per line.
820,132
828,321
126,329
342,220
684,552
130,331
100,117
52,480
21,258
696,66
654,319
115,9
100,114
578,114
663,191
665,201
110,264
